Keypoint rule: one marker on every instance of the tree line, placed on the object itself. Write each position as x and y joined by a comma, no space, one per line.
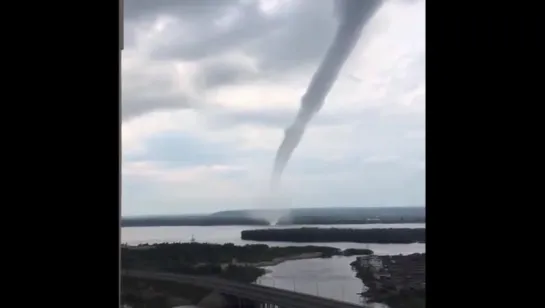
183,255
324,235
332,220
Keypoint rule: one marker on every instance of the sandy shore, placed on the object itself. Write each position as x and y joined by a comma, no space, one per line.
276,261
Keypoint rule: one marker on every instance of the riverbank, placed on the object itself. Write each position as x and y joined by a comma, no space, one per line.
398,281
239,263
310,255
276,261
272,255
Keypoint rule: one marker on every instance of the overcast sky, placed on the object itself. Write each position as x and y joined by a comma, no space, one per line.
210,85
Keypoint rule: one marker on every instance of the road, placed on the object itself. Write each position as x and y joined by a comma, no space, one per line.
257,293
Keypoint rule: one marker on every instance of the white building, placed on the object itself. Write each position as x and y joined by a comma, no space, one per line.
372,262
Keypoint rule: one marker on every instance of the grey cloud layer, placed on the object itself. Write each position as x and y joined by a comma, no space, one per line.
372,152
294,38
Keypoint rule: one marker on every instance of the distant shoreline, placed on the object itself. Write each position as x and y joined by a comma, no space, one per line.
143,224
286,217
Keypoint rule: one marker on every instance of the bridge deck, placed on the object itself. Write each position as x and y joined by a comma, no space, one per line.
262,294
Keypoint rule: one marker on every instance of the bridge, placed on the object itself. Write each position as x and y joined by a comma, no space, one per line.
239,295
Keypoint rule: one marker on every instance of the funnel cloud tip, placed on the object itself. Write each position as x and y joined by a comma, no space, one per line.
353,15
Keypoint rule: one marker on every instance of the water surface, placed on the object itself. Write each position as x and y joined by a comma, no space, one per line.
231,234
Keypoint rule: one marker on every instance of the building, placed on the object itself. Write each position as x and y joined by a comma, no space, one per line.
371,262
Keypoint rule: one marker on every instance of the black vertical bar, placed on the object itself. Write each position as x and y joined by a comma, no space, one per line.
121,28
120,15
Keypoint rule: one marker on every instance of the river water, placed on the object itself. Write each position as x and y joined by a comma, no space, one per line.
331,278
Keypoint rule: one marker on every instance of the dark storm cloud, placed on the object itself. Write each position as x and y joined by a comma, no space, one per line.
286,41
203,38
300,40
149,90
137,10
296,37
289,39
217,74
196,16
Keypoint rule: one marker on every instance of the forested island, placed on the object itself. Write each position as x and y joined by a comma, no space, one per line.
325,235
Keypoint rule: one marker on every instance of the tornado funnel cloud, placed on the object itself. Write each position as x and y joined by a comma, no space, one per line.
353,15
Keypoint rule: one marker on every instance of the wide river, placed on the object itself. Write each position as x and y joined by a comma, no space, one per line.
332,278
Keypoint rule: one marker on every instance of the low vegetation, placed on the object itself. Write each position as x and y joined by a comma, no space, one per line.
174,255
